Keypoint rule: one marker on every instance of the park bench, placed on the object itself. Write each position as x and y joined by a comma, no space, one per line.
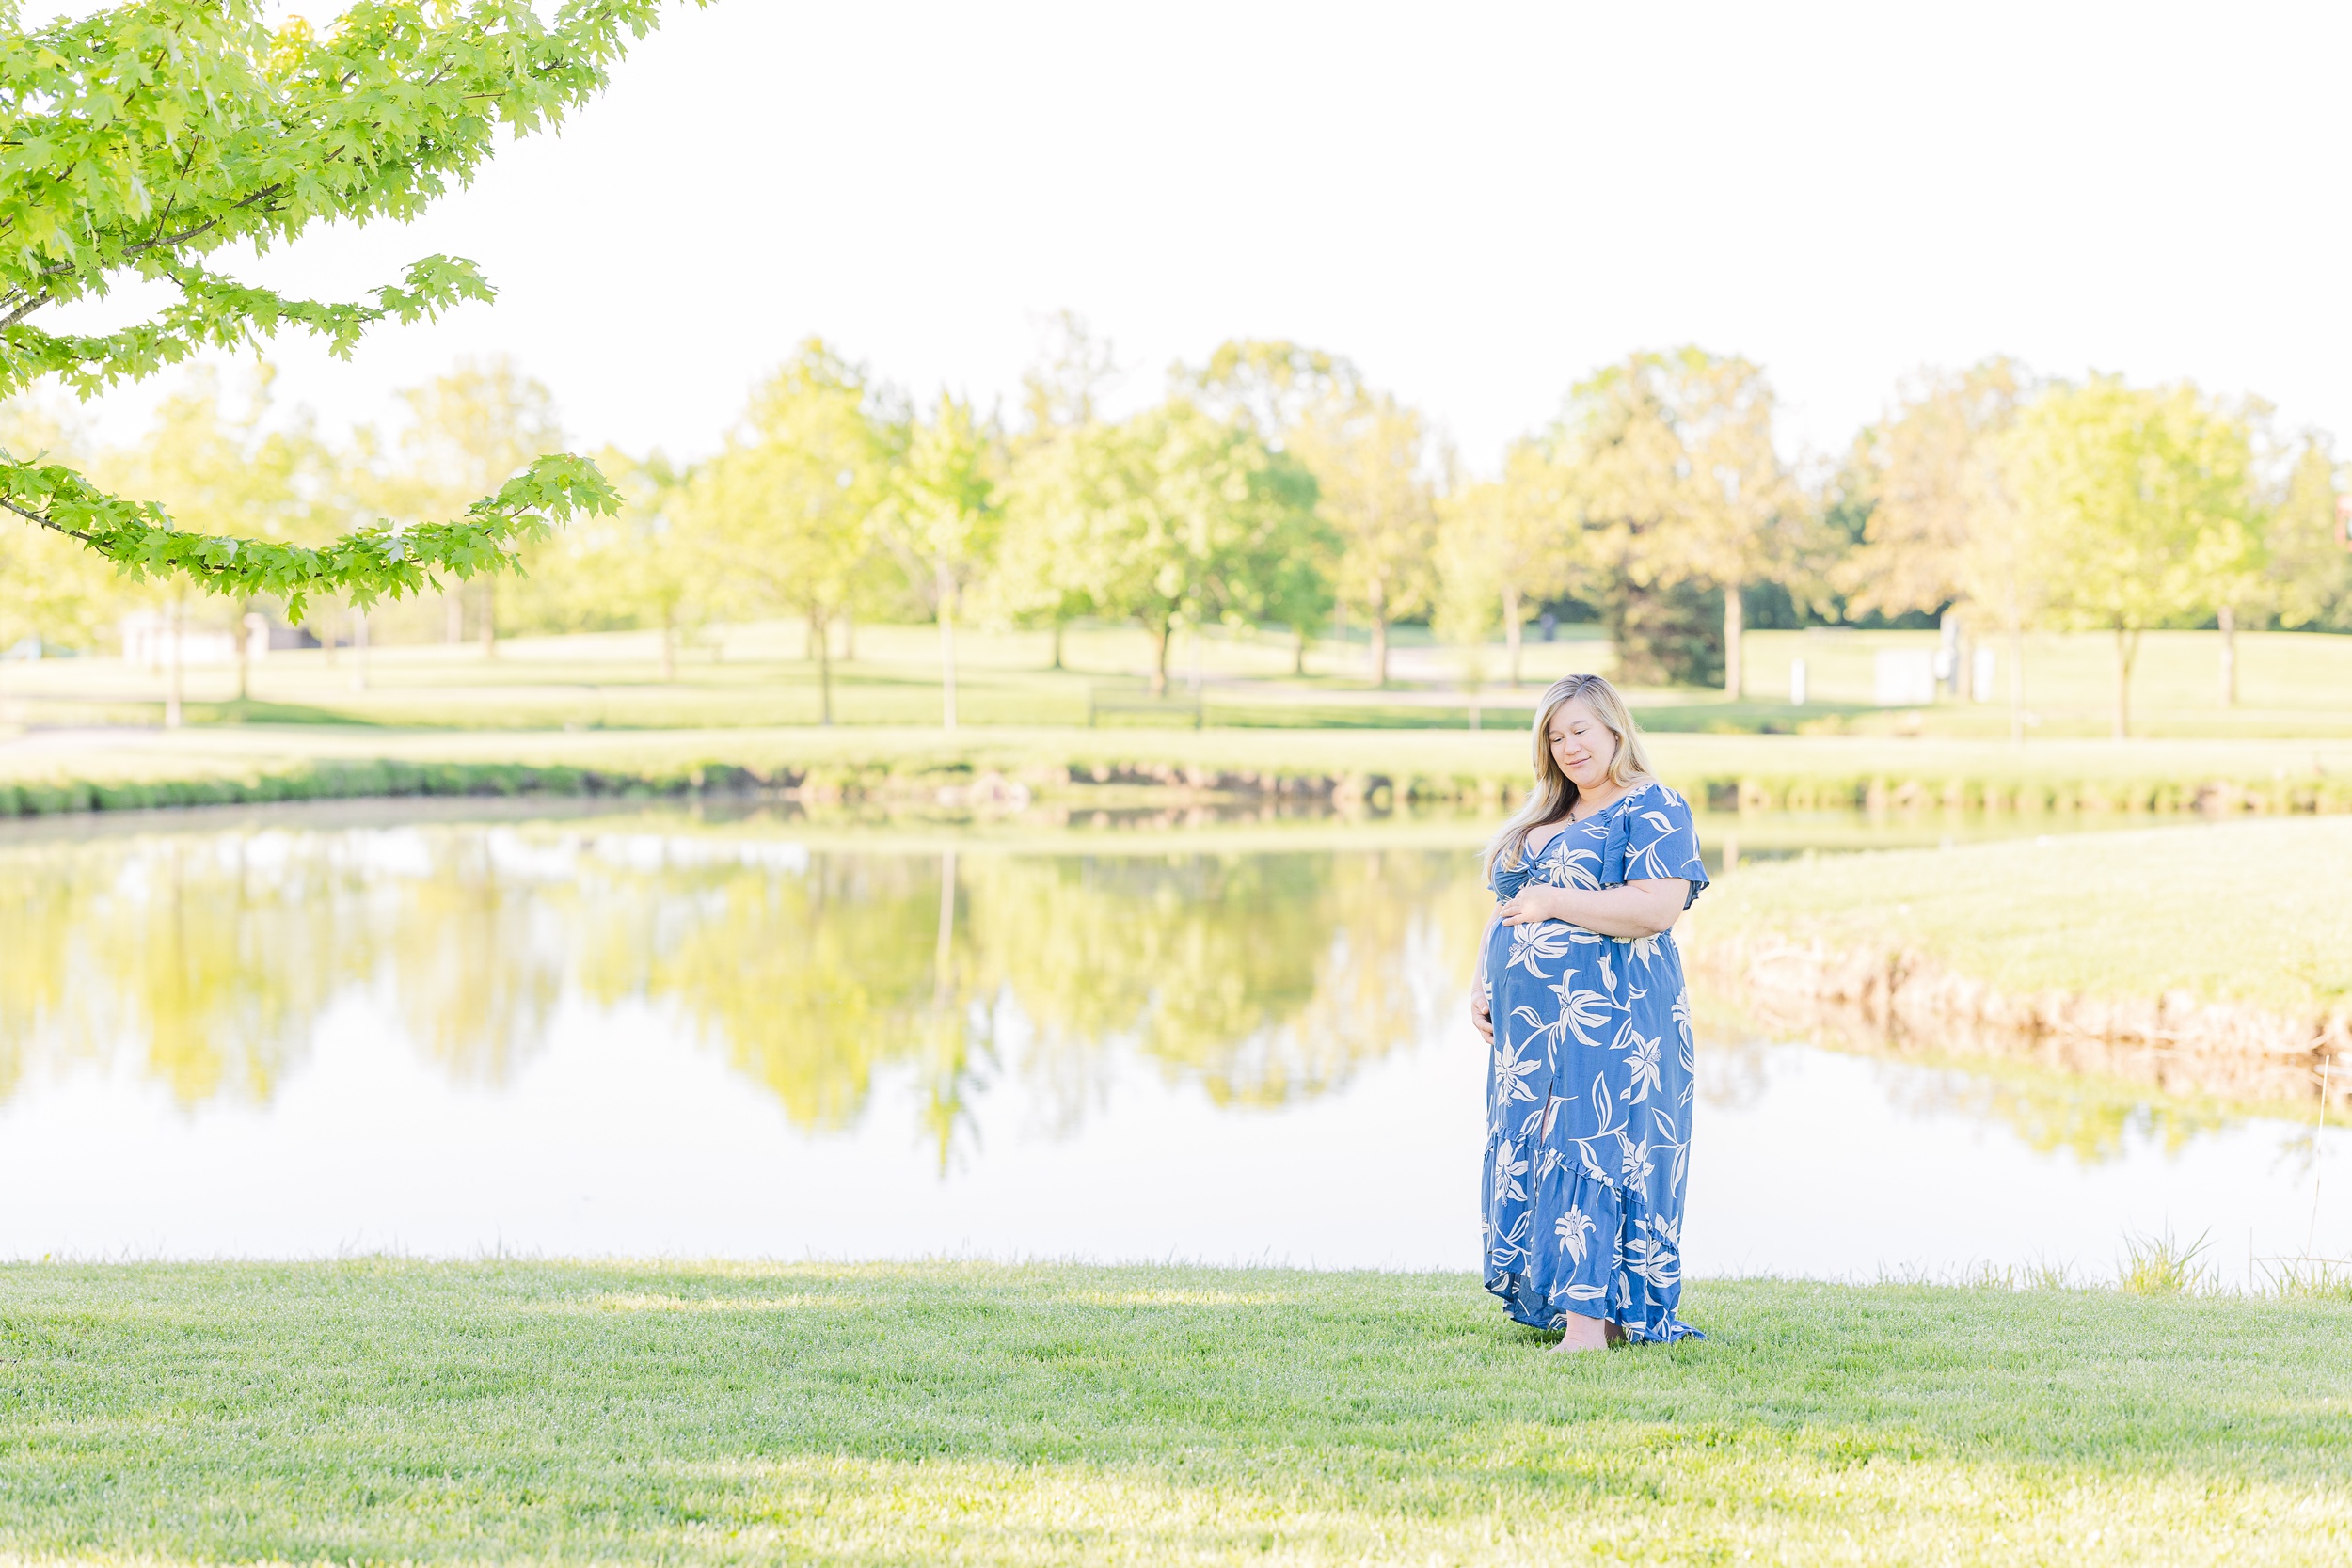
1102,700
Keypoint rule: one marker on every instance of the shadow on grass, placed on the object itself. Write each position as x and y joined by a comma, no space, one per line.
1749,718
248,710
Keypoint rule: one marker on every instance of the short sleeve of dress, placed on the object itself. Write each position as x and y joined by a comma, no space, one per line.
1662,841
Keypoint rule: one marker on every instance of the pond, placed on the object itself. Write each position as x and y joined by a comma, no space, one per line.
322,1030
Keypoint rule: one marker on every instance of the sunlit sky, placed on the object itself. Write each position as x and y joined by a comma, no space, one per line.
1479,205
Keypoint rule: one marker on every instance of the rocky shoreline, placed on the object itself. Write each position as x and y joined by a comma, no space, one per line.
1900,1001
956,781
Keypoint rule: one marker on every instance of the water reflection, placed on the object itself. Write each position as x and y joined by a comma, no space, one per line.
209,960
656,1033
2092,1119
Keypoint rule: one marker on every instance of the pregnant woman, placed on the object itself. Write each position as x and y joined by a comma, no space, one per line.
1580,993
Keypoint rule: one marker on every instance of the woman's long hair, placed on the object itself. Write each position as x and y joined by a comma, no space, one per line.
1553,795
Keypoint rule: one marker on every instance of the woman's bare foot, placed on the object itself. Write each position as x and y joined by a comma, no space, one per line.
1583,1334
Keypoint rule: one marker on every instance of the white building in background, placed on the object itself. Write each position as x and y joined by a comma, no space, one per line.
1987,670
1914,677
150,642
1903,677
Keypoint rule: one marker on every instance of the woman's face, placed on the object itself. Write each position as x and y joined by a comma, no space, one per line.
1581,745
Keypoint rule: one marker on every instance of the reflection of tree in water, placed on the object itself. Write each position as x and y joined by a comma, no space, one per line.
205,961
2089,1118
808,981
208,958
1263,979
1962,1072
1969,1070
48,902
475,954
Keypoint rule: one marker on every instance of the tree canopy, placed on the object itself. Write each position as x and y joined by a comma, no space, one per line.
2138,501
792,502
149,142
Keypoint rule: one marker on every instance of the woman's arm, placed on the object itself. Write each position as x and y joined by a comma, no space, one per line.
1645,909
1482,1018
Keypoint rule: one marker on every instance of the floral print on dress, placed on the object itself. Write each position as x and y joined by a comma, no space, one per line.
1589,1085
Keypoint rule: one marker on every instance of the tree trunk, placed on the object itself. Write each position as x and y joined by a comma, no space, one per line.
810,650
1298,652
1057,626
823,636
2016,684
2228,617
849,637
943,955
489,618
1617,618
1158,630
669,641
1735,623
244,635
171,662
2126,648
946,653
1511,627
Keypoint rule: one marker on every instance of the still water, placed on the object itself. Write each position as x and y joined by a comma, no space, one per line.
654,1034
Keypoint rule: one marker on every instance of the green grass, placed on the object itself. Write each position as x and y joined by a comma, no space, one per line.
593,705
2248,912
373,1410
2291,683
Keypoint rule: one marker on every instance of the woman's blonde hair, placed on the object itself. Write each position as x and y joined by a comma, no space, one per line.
1553,795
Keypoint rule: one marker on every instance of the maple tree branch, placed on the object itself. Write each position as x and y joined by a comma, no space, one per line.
32,516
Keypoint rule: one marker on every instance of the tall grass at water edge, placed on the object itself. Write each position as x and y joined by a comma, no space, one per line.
1350,771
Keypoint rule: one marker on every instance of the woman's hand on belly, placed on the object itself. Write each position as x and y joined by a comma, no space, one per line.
1531,905
1630,909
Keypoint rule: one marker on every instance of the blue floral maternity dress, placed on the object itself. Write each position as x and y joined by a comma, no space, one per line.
1589,1087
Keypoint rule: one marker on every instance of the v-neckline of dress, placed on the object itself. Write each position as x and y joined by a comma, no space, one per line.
1583,822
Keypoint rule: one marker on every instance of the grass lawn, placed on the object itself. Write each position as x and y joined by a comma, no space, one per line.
370,1411
2291,684
2249,911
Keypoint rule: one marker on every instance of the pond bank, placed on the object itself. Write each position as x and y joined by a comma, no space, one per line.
1900,1002
2210,963
1348,771
373,1409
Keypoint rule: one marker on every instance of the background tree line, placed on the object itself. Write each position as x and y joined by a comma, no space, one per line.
1272,486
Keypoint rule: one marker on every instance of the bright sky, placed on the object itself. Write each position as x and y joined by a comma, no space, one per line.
1478,204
